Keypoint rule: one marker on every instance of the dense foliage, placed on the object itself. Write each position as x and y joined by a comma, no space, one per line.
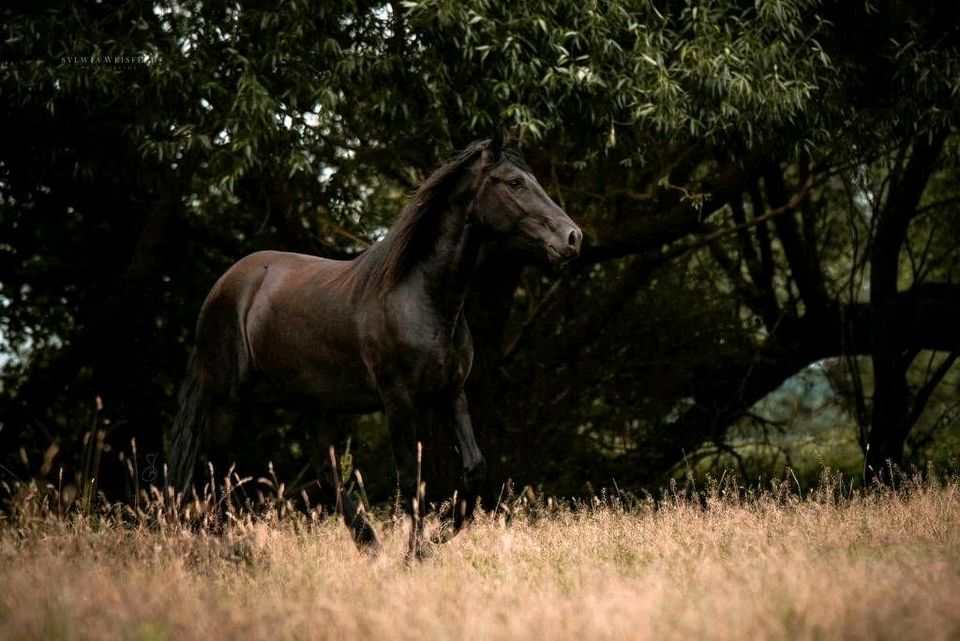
763,185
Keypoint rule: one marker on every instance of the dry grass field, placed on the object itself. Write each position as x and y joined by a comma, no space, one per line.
736,565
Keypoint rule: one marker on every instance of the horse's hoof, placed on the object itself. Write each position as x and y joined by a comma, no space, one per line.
366,540
420,552
443,534
370,548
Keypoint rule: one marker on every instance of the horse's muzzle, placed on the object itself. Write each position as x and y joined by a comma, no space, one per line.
574,241
570,249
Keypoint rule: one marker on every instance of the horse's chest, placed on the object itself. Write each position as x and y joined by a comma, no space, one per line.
445,360
429,357
433,362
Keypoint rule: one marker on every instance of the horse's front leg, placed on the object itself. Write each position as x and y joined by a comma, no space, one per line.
473,465
403,416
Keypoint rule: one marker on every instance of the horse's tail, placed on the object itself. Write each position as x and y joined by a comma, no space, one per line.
188,429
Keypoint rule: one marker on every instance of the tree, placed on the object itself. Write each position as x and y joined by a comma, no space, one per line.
739,169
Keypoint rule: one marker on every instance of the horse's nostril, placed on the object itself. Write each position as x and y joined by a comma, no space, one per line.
573,238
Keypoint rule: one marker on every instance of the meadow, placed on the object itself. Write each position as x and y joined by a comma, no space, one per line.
718,562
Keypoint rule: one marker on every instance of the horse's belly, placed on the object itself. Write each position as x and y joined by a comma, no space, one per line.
339,387
323,387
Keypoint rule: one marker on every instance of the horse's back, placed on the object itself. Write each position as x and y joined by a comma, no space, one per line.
230,297
238,286
288,319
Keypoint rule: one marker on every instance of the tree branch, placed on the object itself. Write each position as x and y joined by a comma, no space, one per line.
923,394
802,258
789,207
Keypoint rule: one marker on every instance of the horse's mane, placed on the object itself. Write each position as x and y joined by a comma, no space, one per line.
386,262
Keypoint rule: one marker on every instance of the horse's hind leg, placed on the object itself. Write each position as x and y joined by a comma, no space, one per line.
223,415
354,517
337,498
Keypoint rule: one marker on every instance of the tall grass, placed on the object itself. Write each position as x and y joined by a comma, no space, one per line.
715,562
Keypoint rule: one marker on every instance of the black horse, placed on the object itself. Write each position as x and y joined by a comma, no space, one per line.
385,330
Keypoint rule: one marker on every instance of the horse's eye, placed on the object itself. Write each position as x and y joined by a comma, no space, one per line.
516,183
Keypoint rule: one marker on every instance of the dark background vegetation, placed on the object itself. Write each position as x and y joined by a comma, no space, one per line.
769,193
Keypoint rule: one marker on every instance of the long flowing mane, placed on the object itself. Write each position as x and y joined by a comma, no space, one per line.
383,265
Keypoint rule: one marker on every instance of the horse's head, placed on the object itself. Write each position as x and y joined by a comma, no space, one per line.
510,203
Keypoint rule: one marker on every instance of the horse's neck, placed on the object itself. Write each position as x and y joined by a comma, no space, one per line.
447,269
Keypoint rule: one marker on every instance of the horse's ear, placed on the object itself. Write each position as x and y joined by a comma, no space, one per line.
512,139
497,140
493,149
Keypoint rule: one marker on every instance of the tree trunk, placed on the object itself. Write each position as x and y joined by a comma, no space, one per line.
890,425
